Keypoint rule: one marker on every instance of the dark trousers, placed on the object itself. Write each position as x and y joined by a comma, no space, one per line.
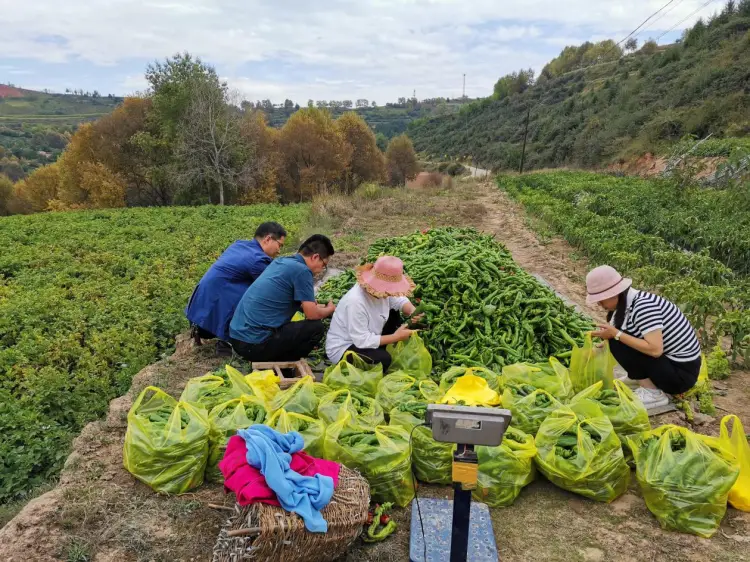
290,342
673,377
379,354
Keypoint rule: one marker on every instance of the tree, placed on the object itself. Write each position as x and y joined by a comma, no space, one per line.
12,168
347,104
649,47
208,142
310,103
374,103
362,103
6,194
288,104
367,162
631,44
382,141
514,83
313,154
321,104
35,192
401,160
260,173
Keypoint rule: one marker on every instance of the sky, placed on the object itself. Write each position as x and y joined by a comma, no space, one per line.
379,50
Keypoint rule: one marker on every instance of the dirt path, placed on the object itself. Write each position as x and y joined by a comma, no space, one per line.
100,513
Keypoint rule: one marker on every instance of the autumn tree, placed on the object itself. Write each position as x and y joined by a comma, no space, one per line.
260,174
36,191
514,83
367,162
313,154
401,160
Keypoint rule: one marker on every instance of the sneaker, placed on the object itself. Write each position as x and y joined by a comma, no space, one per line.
626,380
651,398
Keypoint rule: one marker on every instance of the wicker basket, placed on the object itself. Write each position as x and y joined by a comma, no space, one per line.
273,534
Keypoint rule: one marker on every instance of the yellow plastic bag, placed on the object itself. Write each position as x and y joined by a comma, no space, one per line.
364,409
300,398
166,443
215,388
627,414
579,451
264,384
529,406
312,430
224,421
685,478
354,373
395,388
590,364
505,470
551,376
449,378
471,390
430,391
736,442
411,356
381,454
298,317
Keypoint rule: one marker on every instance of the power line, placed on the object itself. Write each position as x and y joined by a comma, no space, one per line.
661,17
684,19
644,22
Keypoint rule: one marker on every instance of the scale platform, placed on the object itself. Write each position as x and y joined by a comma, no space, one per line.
437,517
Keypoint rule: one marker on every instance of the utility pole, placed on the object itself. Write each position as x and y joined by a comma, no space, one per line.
525,134
463,95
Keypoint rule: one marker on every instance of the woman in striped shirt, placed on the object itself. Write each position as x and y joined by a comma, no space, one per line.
649,337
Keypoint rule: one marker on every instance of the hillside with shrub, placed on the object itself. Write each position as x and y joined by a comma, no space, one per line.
595,104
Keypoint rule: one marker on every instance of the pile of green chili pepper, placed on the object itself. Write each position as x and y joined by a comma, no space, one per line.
481,308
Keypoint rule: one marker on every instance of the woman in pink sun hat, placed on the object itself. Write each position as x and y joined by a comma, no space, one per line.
648,336
368,317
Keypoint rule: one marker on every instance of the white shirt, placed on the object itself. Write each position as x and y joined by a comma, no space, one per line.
359,320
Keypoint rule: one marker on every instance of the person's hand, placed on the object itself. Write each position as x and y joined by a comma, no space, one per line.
604,331
330,307
403,333
417,318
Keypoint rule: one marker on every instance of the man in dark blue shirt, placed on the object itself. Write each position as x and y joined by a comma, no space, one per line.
214,299
261,328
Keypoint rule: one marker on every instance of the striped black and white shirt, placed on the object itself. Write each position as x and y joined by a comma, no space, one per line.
647,312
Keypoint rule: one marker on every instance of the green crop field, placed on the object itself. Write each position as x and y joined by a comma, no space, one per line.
690,245
86,300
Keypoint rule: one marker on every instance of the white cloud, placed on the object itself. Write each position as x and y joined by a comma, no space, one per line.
370,48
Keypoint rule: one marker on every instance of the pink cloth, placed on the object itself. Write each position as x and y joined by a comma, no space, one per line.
249,485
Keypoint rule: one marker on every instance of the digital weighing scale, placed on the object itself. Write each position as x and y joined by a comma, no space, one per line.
447,531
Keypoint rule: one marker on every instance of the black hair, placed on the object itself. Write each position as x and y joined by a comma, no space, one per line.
317,244
273,229
619,312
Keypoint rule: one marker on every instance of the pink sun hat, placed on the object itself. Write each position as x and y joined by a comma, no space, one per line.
385,278
605,282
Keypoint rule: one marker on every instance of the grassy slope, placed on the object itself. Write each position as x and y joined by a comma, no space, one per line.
590,117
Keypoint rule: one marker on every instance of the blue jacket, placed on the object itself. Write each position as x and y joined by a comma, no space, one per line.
214,299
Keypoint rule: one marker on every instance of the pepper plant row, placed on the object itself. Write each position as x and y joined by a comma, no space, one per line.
713,297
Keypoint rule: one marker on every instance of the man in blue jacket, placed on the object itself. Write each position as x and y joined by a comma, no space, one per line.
262,327
213,301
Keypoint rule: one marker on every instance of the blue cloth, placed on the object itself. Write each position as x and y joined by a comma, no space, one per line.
271,452
272,300
214,299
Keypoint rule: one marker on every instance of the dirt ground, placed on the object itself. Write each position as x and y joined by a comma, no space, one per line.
100,512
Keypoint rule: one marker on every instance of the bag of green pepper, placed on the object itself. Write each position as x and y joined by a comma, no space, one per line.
224,421
312,430
449,378
166,443
627,414
552,376
299,398
364,409
215,388
432,460
381,454
505,470
396,388
578,450
354,373
530,406
430,391
411,356
685,478
590,364
264,384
